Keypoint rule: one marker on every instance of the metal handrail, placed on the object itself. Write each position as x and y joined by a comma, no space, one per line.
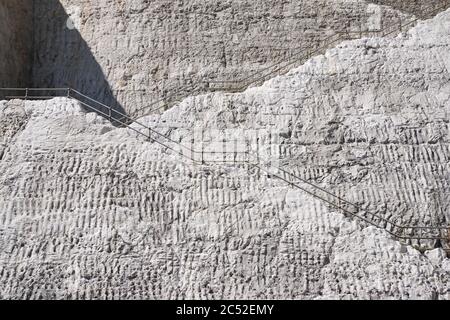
126,120
242,84
443,231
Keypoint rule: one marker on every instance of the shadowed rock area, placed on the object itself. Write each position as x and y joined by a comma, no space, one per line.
414,7
89,211
62,58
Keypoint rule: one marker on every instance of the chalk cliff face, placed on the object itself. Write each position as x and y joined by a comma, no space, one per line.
16,42
147,50
92,211
415,7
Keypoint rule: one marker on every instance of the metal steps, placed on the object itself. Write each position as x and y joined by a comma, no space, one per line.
423,237
297,58
301,56
405,233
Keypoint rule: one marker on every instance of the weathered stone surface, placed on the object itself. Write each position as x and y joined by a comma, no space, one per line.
147,50
92,211
355,120
415,7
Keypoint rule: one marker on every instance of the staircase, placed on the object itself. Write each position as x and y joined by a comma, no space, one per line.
423,237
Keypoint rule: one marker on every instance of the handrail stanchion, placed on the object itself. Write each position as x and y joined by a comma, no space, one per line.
400,231
192,150
203,159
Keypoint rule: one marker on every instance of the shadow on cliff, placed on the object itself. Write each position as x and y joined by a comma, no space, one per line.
62,58
414,7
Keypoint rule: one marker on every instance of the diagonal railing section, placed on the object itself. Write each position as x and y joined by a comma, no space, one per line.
247,157
297,57
116,117
401,232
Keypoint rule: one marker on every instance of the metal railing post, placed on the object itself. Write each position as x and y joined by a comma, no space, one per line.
399,231
235,150
203,159
192,149
339,204
203,146
224,151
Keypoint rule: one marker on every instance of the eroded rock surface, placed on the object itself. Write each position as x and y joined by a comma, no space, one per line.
147,50
92,211
415,7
